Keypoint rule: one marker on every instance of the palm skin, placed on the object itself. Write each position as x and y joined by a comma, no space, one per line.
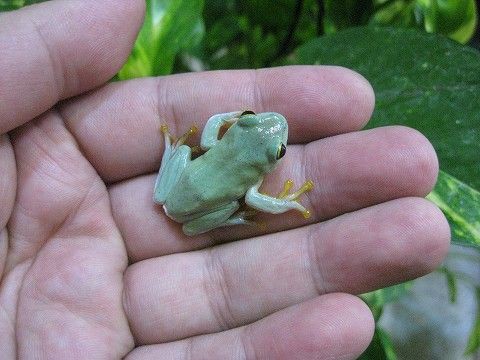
92,269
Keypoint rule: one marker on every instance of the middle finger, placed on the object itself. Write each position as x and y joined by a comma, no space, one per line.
341,168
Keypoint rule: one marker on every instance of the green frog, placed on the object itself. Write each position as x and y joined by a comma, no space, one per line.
203,193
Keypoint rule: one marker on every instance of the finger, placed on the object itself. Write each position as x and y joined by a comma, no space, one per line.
57,49
118,126
350,171
235,284
8,183
335,326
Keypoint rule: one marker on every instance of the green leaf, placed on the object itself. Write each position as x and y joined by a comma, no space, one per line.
170,26
381,347
259,12
473,343
7,5
341,14
454,18
243,34
451,279
396,13
461,205
421,80
378,298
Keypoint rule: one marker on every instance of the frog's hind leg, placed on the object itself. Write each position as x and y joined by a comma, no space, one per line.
281,203
242,218
170,173
211,220
175,158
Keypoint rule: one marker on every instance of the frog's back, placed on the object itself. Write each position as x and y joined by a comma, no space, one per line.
218,177
196,192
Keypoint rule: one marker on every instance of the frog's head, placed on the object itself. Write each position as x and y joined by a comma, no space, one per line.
269,132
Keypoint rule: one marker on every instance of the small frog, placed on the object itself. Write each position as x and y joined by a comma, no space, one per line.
204,193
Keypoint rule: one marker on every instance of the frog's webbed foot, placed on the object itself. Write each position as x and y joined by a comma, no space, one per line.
283,202
171,141
285,194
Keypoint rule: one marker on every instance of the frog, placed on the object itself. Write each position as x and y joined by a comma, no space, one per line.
208,191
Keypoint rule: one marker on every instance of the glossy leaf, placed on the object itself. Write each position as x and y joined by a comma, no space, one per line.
451,279
217,9
342,14
454,18
243,34
7,5
259,12
473,343
461,205
381,347
170,26
421,80
378,298
397,13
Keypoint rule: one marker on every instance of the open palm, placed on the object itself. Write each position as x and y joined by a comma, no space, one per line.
92,269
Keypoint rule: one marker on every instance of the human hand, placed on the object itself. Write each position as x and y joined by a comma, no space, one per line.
92,269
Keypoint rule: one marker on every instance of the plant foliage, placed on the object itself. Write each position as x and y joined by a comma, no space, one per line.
169,26
421,80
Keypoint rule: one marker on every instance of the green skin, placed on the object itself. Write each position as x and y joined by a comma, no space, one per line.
203,193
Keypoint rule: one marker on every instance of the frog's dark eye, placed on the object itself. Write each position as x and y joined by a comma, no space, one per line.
248,112
282,149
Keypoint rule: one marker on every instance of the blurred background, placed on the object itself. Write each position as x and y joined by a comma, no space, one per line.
422,58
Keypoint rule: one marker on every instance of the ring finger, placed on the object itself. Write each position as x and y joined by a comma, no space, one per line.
183,295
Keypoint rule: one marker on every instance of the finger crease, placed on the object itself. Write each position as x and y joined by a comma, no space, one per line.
257,94
217,292
248,349
314,267
166,108
189,349
53,63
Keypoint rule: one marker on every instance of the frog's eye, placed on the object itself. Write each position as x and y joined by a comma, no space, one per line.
247,112
282,149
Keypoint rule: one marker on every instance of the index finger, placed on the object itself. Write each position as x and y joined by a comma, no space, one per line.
58,49
118,126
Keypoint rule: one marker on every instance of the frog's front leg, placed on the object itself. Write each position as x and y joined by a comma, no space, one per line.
213,126
175,159
283,202
212,220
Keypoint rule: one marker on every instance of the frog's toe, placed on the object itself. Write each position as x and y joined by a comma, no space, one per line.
293,197
307,186
164,128
182,139
169,138
287,186
306,214
295,205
